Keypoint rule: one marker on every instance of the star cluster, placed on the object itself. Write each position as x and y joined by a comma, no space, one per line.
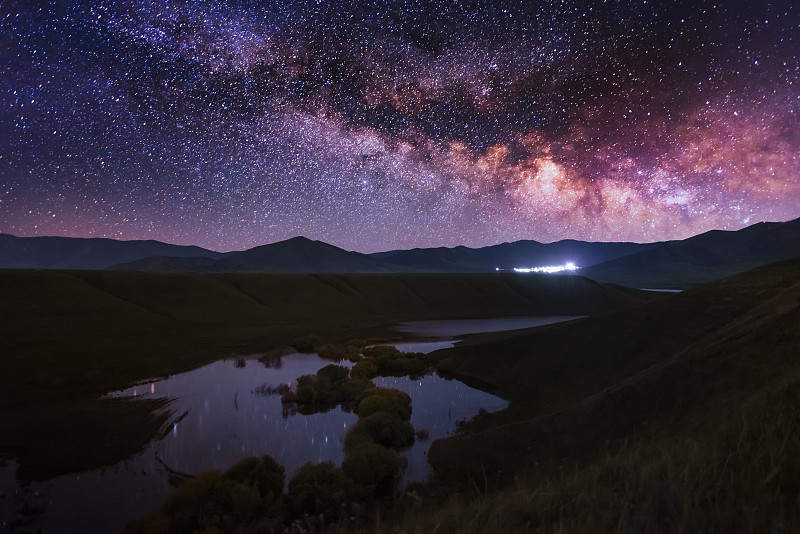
386,124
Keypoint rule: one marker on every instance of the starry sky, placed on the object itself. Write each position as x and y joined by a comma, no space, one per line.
383,124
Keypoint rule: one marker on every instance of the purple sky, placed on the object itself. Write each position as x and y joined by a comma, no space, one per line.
390,124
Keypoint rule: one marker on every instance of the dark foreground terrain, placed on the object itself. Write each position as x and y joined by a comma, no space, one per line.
676,416
660,413
69,337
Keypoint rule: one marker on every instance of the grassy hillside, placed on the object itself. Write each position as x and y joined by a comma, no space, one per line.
739,476
708,347
677,416
67,337
703,258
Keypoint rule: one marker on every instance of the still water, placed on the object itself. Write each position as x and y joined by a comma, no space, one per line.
478,326
223,411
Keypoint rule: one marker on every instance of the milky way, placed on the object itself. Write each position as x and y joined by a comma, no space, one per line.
390,124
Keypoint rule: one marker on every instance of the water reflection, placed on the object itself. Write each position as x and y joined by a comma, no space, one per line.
224,411
228,416
437,405
447,328
423,346
229,409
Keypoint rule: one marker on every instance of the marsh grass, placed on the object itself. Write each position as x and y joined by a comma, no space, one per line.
741,476
107,429
692,429
575,387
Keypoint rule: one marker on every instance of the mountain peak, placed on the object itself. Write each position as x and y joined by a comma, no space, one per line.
297,239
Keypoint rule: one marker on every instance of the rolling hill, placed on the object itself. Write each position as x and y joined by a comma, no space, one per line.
702,258
669,264
679,415
86,253
302,255
694,358
506,256
297,255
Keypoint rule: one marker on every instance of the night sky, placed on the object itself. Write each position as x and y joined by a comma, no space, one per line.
375,125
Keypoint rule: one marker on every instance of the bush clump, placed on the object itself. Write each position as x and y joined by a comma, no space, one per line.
354,347
330,387
263,473
374,468
383,428
213,502
335,373
306,344
318,489
365,369
332,351
389,361
385,400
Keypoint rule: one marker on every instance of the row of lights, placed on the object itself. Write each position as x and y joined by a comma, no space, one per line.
569,266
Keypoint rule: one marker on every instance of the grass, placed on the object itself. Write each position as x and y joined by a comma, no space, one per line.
688,424
742,475
99,432
68,337
686,354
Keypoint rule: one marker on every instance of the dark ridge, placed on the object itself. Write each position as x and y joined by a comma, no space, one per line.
702,258
86,253
675,365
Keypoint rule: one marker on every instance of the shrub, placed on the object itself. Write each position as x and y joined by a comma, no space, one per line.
306,344
332,351
207,502
355,437
351,390
382,428
319,489
373,467
326,389
353,352
312,389
385,400
264,474
335,373
403,366
364,369
380,352
390,361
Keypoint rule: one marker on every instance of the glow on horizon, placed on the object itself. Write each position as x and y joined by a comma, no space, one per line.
549,269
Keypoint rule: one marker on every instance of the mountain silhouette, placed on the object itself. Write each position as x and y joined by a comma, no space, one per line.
704,257
506,256
669,264
85,253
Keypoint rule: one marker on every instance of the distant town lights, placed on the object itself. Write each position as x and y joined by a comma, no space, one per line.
569,266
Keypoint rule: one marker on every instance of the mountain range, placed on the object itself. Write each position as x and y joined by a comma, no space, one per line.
85,253
669,264
702,258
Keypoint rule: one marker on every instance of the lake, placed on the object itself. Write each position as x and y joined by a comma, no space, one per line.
222,412
449,328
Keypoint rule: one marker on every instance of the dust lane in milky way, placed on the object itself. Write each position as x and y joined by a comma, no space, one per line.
395,124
